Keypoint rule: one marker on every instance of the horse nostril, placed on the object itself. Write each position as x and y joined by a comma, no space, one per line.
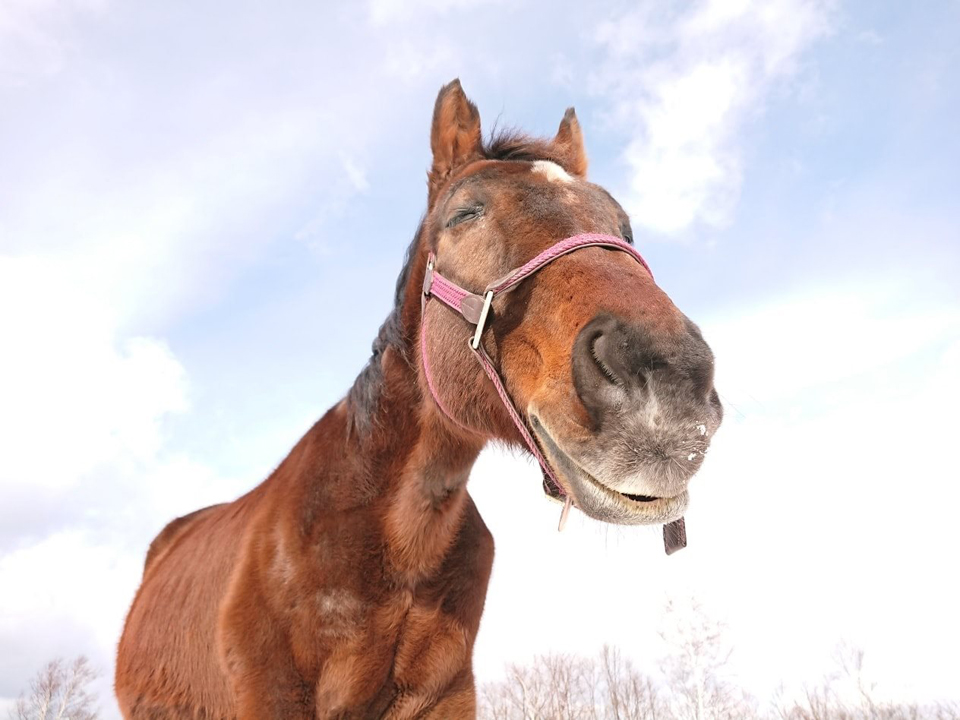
612,360
598,350
622,367
623,356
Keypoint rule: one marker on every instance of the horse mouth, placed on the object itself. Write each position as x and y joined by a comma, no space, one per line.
639,498
597,499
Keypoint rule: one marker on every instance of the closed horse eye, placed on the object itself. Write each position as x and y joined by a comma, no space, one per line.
464,214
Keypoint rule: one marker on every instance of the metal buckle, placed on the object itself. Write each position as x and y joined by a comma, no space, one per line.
428,276
487,299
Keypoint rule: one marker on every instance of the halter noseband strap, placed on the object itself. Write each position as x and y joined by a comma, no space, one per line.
475,309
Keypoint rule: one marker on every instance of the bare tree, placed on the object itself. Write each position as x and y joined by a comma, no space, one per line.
696,666
59,692
563,687
946,711
848,694
554,686
628,694
696,683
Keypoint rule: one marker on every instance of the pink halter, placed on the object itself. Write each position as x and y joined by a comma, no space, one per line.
476,309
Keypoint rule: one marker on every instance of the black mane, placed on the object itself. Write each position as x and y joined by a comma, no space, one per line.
364,395
509,144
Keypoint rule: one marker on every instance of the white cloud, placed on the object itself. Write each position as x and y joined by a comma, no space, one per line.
183,224
869,37
79,584
824,336
75,395
685,88
383,11
410,60
356,175
35,36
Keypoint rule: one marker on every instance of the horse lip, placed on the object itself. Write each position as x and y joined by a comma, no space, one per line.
631,510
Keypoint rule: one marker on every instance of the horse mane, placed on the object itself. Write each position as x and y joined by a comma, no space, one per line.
511,144
364,395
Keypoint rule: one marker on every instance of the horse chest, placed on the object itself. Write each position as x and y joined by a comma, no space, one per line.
373,637
431,647
396,657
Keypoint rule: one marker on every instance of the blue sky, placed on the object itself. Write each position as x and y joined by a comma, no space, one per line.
190,196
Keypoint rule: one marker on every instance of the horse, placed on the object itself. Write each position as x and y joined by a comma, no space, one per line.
350,583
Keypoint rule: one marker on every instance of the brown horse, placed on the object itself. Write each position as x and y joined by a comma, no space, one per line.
351,582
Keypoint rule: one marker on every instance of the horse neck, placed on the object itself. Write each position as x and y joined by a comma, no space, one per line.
424,493
402,465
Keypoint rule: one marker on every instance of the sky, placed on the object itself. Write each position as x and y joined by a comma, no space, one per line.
190,193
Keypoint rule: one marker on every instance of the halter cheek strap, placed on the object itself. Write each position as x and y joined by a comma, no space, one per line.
475,309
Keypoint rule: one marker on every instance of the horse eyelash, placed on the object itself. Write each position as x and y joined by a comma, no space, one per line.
464,214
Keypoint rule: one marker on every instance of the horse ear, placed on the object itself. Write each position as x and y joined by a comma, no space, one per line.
569,143
455,136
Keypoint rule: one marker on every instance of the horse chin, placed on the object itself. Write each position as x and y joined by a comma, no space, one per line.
597,499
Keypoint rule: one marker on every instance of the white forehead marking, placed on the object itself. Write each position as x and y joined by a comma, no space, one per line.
552,171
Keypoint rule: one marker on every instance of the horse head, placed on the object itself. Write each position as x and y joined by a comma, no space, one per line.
614,383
